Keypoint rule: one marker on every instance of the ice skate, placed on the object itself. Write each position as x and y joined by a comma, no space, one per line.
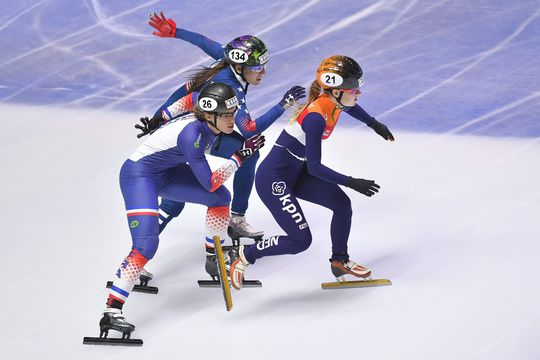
238,268
145,277
231,254
211,265
239,228
341,268
113,319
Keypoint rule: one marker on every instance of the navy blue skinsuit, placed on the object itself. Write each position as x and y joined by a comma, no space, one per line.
293,170
245,176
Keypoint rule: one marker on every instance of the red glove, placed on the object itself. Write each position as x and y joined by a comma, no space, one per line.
165,27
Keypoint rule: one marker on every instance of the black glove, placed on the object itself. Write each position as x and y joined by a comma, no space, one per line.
293,94
366,187
382,130
251,146
148,126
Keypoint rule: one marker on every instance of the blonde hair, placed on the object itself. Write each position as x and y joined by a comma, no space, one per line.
314,92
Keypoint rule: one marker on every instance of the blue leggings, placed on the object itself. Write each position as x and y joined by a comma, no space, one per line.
242,183
281,180
141,192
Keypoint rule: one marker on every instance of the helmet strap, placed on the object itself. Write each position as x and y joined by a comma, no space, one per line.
241,74
214,122
338,99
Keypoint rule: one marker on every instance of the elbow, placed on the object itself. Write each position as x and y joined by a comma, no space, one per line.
313,168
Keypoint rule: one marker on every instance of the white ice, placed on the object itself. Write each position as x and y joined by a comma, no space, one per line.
455,226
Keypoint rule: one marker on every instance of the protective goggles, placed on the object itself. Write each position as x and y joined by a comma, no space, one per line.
352,91
257,68
227,115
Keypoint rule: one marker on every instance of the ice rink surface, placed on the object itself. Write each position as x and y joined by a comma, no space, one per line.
455,226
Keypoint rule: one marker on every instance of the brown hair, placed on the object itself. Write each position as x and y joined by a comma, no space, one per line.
314,92
198,113
197,80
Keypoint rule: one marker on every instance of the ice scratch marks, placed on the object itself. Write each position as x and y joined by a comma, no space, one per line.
479,58
119,29
74,34
22,13
370,10
287,18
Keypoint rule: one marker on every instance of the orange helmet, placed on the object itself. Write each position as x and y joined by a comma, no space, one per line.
339,72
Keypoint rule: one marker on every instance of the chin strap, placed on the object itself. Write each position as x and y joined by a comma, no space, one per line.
214,123
338,100
242,77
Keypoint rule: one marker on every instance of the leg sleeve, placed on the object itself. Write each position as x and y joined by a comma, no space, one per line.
243,184
275,191
332,197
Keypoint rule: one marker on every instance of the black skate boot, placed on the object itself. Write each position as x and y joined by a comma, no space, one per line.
145,277
142,287
113,319
231,254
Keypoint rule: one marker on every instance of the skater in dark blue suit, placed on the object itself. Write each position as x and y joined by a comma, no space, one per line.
293,170
242,62
172,163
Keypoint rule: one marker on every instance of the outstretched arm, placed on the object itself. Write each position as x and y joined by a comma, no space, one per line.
167,28
249,127
358,113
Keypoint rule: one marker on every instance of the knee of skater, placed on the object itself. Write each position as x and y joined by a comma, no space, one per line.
171,208
146,248
343,206
220,197
303,243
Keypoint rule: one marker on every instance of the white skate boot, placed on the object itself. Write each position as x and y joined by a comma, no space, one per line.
340,268
238,267
238,227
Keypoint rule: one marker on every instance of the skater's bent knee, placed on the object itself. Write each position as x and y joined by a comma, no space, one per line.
147,247
303,243
220,197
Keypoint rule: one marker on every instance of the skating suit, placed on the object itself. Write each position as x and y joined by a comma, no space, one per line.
243,179
293,170
172,163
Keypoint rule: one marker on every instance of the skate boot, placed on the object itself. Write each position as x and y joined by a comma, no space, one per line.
238,227
340,268
211,265
113,319
145,277
238,267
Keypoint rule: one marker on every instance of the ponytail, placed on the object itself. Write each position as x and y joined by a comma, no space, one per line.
314,92
197,80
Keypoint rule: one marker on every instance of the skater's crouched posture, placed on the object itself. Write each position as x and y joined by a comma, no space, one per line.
240,63
293,170
172,163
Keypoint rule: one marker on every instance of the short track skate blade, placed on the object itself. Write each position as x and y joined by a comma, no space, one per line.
355,284
216,284
112,341
139,288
